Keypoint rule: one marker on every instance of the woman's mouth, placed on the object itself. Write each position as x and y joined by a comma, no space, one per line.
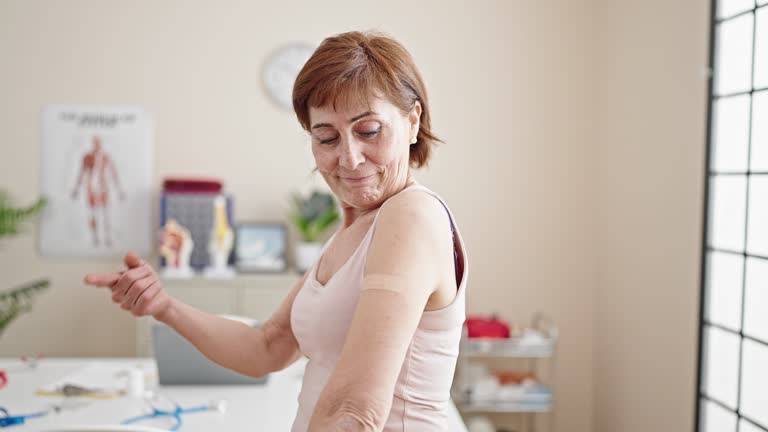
357,180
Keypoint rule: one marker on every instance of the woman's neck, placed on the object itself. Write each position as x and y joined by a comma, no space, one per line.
351,214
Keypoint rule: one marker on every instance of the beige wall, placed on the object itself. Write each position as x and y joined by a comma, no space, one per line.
649,122
573,164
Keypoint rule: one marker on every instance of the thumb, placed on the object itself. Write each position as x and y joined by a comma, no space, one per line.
132,260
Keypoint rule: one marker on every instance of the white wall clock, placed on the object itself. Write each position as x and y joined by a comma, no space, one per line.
281,69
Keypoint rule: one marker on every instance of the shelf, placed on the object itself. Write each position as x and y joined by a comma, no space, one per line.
509,407
513,398
530,350
284,280
512,347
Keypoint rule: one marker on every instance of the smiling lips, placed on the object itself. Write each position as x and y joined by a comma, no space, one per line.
357,180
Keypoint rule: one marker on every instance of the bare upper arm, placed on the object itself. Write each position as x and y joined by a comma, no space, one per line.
402,271
412,235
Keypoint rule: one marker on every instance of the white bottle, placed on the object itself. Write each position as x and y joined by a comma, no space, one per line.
134,386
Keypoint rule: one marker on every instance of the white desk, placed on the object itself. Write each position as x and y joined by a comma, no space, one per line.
268,407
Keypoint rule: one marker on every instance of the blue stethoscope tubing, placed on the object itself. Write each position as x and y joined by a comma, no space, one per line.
9,420
176,413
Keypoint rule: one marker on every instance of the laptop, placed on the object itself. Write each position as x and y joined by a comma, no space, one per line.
180,363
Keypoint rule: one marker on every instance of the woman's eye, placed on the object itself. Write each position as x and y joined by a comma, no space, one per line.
370,133
327,140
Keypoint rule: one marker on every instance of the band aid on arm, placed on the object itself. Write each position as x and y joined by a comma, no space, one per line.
412,285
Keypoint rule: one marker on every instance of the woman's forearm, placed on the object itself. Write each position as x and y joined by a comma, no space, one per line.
339,410
231,344
344,424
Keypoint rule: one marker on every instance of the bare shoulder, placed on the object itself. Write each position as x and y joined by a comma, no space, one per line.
415,207
412,228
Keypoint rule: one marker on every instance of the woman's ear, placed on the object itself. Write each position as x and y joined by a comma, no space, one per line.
413,118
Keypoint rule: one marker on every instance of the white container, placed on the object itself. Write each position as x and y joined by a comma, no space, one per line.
306,254
134,386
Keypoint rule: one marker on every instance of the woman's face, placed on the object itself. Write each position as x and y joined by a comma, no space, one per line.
363,152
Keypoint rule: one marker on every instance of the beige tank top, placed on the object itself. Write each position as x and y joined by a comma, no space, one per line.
320,319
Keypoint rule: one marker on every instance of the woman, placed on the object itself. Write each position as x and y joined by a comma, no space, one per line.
379,315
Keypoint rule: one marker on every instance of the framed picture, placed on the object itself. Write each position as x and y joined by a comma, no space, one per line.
96,165
261,247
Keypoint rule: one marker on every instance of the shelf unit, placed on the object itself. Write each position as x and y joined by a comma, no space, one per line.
533,350
253,295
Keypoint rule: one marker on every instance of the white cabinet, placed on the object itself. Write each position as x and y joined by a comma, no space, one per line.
532,352
252,295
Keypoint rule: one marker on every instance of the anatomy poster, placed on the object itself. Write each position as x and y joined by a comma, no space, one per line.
96,164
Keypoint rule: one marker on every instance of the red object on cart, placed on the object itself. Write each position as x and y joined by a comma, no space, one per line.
484,327
191,185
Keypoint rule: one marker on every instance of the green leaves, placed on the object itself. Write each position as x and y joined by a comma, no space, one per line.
12,217
18,300
314,215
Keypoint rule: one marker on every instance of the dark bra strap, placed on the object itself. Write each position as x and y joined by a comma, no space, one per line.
453,242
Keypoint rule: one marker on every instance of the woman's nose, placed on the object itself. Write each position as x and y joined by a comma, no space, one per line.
351,155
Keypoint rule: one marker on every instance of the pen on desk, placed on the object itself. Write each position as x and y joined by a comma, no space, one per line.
69,390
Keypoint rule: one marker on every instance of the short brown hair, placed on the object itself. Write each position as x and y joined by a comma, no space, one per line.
356,65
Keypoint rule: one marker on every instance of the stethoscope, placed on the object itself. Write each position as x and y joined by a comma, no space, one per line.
9,420
176,413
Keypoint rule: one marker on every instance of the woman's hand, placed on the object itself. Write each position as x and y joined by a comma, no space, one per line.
136,289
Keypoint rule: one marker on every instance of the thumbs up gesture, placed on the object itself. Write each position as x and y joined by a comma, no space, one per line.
136,289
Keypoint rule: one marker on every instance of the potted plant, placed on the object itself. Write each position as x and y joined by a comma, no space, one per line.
312,216
17,300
